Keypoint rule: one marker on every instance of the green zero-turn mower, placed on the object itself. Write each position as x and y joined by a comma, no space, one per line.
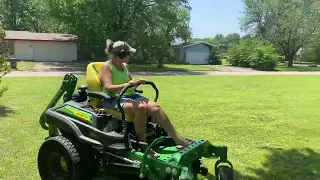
87,142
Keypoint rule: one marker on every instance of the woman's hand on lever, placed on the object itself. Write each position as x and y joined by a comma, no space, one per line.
134,83
142,81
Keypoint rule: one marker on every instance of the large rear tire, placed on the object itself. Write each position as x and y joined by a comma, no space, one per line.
59,158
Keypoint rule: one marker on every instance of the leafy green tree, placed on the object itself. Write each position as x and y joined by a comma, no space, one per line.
286,23
16,14
148,25
4,66
233,38
220,40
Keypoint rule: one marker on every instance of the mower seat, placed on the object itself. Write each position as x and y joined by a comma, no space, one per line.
94,84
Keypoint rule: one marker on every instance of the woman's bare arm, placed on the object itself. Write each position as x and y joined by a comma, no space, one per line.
106,79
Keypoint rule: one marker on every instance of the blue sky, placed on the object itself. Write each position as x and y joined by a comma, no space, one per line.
211,17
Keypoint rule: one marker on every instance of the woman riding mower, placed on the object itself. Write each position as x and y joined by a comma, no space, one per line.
115,75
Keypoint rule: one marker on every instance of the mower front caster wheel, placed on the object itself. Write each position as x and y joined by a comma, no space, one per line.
58,158
225,173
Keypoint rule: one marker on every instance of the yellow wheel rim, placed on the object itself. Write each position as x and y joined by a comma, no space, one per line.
63,164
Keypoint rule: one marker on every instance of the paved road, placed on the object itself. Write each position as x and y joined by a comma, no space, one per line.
60,69
171,73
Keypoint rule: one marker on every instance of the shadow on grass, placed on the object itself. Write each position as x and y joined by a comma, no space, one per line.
292,164
288,164
5,111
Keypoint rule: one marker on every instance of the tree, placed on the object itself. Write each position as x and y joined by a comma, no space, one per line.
174,17
233,38
148,25
28,15
224,41
17,14
4,67
219,38
286,23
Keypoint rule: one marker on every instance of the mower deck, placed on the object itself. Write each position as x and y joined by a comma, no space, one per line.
173,155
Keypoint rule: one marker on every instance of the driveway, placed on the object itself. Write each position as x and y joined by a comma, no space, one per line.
79,69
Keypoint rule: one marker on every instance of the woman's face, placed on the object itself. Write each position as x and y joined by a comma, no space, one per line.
126,59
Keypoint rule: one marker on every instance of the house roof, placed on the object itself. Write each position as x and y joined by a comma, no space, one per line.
31,36
184,45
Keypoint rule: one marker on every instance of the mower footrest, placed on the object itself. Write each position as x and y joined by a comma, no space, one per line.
117,146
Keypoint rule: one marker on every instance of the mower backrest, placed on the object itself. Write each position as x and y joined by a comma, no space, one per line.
93,80
94,84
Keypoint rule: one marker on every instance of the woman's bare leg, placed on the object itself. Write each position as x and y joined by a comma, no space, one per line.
155,110
139,109
140,118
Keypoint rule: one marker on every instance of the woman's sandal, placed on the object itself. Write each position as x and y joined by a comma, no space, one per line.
180,147
154,154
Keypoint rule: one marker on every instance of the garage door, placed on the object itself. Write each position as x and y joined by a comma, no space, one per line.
197,57
23,50
55,51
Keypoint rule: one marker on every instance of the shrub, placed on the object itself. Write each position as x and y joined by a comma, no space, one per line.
312,55
4,65
214,58
263,58
239,53
224,55
255,54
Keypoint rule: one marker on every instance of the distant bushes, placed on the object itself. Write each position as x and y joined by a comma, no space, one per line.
312,55
253,53
214,58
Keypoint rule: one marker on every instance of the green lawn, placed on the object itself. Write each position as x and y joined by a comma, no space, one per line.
25,65
270,123
297,67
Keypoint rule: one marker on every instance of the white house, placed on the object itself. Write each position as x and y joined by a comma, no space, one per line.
193,53
48,47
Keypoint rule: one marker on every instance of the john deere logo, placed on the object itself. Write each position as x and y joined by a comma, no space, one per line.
83,116
78,114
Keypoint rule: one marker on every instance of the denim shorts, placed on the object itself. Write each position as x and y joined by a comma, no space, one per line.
112,103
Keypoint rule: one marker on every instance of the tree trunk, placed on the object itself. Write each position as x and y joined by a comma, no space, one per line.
290,54
160,63
289,57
